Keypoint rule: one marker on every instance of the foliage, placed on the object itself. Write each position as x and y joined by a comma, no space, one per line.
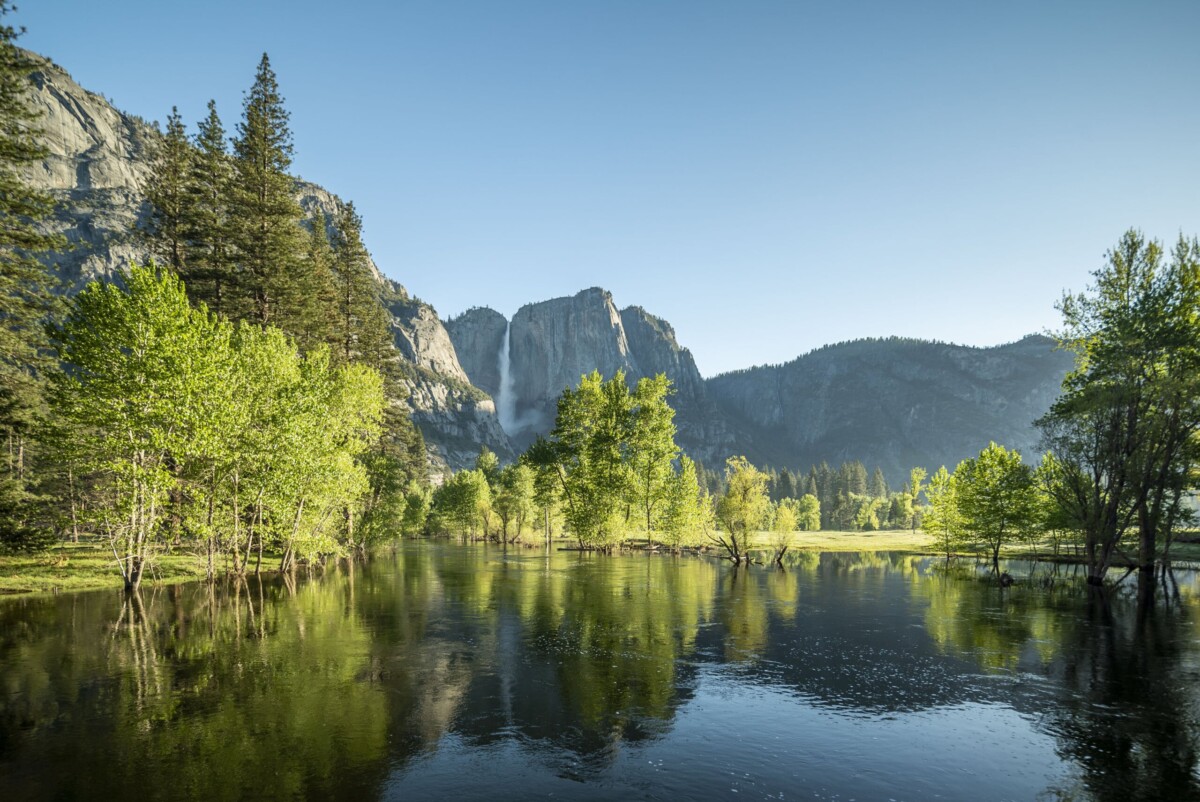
941,518
744,508
1124,432
808,513
783,529
26,298
651,447
687,509
995,498
178,415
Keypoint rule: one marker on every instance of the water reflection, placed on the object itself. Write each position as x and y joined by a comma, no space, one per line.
508,673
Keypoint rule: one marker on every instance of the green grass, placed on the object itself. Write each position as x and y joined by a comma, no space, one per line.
888,540
87,566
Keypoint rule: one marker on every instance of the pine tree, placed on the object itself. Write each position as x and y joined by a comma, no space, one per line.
26,298
313,321
208,261
167,192
266,217
361,329
878,487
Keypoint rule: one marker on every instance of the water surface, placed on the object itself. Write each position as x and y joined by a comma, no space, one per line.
482,673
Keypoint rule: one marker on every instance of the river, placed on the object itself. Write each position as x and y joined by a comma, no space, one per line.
475,672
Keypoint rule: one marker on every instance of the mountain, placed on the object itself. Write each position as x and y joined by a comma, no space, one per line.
99,160
895,403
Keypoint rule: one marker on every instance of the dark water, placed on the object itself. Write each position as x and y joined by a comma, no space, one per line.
453,672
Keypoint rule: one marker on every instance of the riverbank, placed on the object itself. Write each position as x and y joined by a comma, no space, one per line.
87,566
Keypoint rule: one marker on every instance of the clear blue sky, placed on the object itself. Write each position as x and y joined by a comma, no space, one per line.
767,176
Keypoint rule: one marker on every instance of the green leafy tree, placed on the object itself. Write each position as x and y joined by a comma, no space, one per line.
513,500
687,510
866,514
587,449
808,513
783,530
461,499
942,519
996,498
1124,431
651,447
915,477
744,508
488,464
133,397
417,499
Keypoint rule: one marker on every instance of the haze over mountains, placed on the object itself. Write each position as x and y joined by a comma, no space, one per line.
893,403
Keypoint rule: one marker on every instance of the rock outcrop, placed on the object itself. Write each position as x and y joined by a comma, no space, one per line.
99,159
478,336
703,430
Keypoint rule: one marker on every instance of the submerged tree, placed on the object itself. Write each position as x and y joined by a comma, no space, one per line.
687,509
1124,431
941,518
743,509
995,498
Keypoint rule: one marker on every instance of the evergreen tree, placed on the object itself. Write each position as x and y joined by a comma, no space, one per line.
853,478
208,268
167,191
26,300
361,328
265,215
878,487
316,282
785,486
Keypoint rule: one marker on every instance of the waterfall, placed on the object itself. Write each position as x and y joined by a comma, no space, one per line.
506,402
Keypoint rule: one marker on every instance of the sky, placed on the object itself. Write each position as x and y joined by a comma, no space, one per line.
769,177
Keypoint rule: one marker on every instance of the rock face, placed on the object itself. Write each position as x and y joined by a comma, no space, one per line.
894,403
553,343
100,158
478,335
703,430
454,415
